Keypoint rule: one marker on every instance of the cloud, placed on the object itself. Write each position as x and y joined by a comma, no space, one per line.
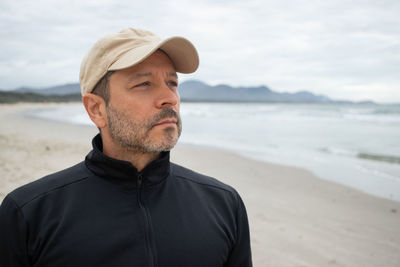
326,47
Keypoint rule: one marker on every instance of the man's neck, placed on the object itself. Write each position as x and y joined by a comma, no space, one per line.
138,159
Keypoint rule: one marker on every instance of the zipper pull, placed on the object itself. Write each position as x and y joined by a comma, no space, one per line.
140,180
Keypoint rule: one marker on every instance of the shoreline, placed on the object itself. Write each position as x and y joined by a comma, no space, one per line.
295,217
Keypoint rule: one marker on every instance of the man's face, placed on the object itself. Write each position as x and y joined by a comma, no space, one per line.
143,111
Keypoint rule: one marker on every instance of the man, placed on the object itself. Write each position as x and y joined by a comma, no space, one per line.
126,204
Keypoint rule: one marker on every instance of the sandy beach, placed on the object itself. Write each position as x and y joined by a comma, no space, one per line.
296,219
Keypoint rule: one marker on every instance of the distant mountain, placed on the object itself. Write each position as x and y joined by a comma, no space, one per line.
198,91
66,89
17,97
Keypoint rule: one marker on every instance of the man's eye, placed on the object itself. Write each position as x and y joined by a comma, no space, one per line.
172,83
142,84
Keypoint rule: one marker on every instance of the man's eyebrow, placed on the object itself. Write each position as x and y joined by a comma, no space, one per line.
141,74
173,74
137,75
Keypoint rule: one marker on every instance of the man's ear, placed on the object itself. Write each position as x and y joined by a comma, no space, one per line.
96,109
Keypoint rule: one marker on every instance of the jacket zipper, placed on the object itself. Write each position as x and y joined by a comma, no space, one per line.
147,222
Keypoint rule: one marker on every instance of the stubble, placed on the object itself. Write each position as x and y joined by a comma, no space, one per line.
136,135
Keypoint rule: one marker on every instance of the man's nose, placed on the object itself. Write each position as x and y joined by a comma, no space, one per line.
167,97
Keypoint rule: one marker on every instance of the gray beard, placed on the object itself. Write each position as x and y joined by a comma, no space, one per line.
135,136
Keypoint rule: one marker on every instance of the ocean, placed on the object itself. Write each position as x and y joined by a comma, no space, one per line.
354,145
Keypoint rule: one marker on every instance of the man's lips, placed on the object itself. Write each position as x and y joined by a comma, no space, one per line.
166,122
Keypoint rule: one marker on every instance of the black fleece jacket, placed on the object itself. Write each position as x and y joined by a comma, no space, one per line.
103,212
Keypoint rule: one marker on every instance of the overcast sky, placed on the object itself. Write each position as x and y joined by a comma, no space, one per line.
339,48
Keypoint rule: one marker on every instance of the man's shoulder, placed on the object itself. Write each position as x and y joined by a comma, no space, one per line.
28,192
199,179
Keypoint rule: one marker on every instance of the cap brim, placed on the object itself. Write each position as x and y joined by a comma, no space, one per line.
181,52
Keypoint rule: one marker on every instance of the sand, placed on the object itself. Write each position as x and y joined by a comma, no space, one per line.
296,218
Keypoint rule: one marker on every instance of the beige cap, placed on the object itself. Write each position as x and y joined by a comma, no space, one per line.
129,47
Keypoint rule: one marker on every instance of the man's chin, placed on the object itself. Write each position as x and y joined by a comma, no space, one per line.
160,148
162,143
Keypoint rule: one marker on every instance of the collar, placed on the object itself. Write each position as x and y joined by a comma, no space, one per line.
121,171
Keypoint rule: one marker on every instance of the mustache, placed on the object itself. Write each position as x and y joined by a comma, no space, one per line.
165,114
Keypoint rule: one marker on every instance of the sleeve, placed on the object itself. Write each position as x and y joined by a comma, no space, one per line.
13,235
240,255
